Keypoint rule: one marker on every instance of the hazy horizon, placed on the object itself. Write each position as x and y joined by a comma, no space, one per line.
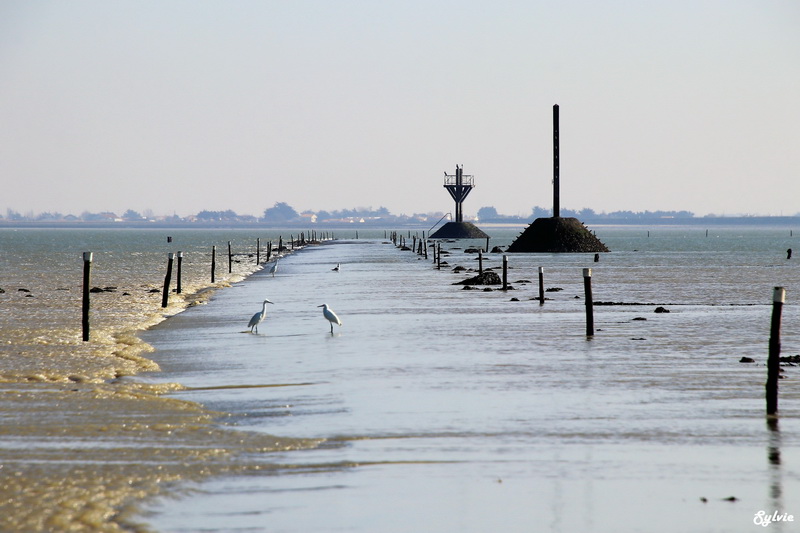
178,107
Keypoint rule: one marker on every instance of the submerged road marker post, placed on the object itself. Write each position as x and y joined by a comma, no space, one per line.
180,260
167,278
87,274
230,258
774,361
505,272
587,287
213,262
541,285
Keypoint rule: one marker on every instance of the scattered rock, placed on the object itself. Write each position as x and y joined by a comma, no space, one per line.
523,281
514,299
638,339
553,289
23,290
660,309
487,278
747,360
791,359
487,289
2,290
96,290
640,318
731,499
459,268
154,291
471,251
497,250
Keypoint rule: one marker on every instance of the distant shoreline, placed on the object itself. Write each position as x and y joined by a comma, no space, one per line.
786,221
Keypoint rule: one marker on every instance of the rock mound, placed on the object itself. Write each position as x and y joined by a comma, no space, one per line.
557,234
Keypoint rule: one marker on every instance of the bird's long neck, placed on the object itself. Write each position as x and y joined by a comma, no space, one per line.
264,307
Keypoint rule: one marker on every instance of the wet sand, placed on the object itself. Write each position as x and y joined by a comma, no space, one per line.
84,444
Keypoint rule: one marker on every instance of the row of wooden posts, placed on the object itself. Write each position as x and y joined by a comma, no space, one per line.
778,299
171,257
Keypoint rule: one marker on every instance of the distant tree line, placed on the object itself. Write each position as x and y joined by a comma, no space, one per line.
283,214
489,214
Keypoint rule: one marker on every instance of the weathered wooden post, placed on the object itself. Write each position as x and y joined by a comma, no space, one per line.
87,275
258,250
213,263
280,243
230,258
587,287
505,272
167,278
180,260
439,256
480,262
425,248
774,361
541,285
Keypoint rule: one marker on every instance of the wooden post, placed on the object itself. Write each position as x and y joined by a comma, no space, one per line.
425,248
505,272
774,361
258,250
167,278
414,244
487,245
269,250
87,274
439,257
230,258
213,263
180,260
587,286
541,285
480,262
280,243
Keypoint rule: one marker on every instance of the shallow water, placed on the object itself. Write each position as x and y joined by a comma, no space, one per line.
442,409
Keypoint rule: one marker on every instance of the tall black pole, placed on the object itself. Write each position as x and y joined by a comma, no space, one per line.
773,362
87,269
556,193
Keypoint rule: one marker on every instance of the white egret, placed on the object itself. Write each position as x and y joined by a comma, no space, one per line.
336,268
258,318
330,316
274,269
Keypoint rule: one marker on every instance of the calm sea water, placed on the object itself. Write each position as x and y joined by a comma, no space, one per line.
442,409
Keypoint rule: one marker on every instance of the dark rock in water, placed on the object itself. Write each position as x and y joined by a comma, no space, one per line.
553,289
514,299
747,360
23,290
660,309
557,234
459,230
487,278
459,268
791,359
640,318
96,290
487,289
471,251
497,250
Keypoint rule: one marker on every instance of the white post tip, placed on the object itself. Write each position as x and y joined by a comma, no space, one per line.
88,256
779,295
587,272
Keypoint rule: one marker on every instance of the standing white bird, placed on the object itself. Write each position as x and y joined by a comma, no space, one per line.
274,269
336,268
258,318
330,316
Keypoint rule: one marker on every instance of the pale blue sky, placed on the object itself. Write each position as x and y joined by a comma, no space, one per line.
180,106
